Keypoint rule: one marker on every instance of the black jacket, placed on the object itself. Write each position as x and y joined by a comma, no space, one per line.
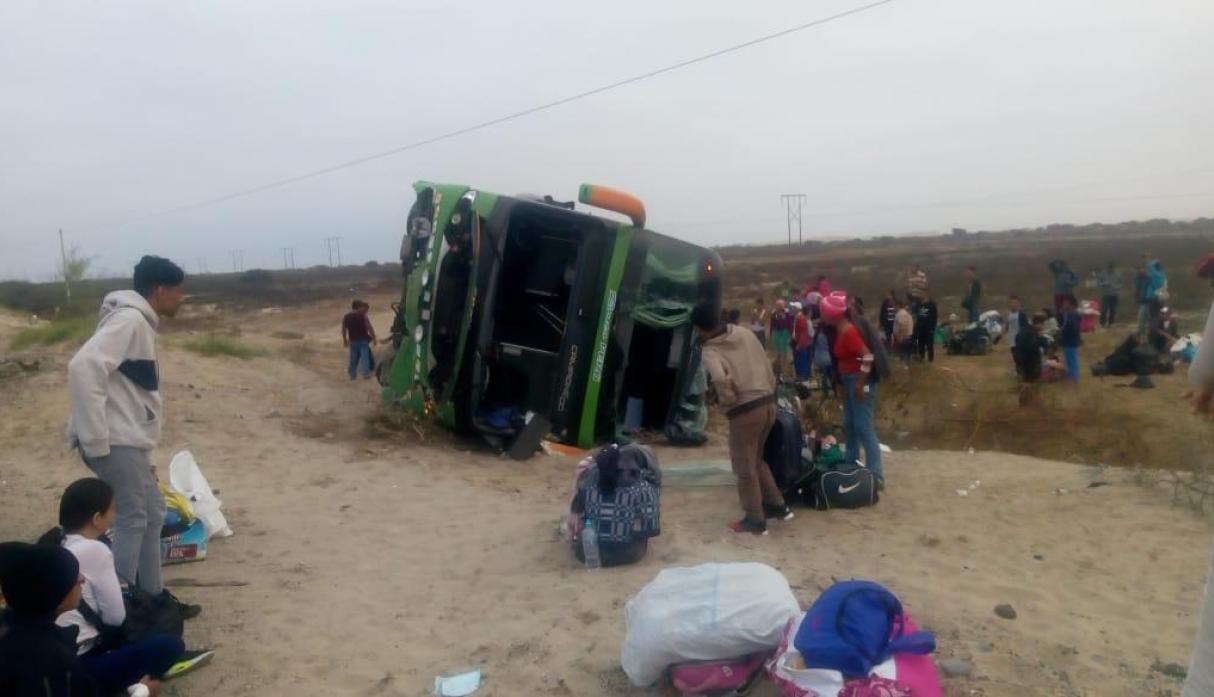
1027,354
970,301
38,659
928,317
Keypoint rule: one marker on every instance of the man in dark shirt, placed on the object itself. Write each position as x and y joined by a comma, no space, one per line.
358,335
1026,350
926,319
1068,336
973,294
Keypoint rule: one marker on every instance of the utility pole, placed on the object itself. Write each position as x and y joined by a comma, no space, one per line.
237,260
332,243
202,265
288,257
793,214
67,282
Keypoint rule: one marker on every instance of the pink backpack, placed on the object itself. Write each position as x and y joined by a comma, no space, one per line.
729,676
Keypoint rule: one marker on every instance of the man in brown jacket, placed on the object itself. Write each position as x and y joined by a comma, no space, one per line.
746,387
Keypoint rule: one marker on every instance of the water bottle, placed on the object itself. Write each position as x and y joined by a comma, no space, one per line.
590,546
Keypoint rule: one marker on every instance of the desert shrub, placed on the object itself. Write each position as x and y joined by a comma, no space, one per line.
73,330
214,345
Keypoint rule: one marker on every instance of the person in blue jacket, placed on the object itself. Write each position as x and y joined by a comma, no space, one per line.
1153,293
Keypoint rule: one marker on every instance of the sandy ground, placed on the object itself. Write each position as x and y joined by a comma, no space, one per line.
374,564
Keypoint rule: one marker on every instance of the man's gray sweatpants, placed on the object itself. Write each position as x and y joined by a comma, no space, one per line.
139,514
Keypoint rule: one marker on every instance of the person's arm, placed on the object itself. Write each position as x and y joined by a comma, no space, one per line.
345,334
97,565
720,378
88,376
370,329
1201,372
853,344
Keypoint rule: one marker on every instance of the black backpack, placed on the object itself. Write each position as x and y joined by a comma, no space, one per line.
146,615
847,485
782,452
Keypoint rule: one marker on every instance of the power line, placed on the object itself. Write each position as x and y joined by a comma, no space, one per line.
331,244
492,122
793,213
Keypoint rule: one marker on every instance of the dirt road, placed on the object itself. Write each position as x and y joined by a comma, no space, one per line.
375,563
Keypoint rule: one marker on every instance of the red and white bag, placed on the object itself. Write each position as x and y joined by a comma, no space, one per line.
903,674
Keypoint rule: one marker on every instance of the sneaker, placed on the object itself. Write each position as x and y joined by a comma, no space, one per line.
187,611
750,526
190,661
777,512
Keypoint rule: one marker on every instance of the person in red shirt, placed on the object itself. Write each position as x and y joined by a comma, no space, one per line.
854,363
802,334
358,335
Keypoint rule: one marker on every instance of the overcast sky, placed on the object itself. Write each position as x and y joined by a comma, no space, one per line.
917,116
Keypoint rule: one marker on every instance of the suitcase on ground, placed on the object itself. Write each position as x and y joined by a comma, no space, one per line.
782,452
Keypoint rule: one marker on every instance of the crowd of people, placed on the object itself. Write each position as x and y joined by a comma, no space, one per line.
85,610
1044,345
822,338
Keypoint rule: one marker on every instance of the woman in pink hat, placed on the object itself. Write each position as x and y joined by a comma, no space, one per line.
854,363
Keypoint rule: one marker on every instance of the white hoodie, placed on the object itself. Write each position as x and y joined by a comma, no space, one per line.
114,381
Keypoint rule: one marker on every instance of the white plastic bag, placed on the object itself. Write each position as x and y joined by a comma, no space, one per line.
703,613
184,476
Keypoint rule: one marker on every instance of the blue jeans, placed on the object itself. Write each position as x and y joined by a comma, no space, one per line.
800,360
114,671
974,313
360,353
1071,354
858,428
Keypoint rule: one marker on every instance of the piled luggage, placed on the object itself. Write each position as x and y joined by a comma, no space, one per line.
971,340
717,629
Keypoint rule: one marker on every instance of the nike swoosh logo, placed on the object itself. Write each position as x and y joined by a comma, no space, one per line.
844,490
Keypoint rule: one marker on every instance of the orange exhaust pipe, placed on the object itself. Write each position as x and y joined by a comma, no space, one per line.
613,200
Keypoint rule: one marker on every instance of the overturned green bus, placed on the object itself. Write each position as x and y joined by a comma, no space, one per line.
522,318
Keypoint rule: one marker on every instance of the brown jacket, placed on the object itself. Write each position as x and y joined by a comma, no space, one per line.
738,366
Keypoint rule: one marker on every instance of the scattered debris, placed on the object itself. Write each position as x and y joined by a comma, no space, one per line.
458,685
1005,611
274,414
1172,670
198,583
963,492
1060,491
562,450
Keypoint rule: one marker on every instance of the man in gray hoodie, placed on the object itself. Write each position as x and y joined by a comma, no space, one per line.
114,385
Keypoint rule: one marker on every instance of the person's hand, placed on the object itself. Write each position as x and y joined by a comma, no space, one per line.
152,685
1202,401
345,343
859,392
